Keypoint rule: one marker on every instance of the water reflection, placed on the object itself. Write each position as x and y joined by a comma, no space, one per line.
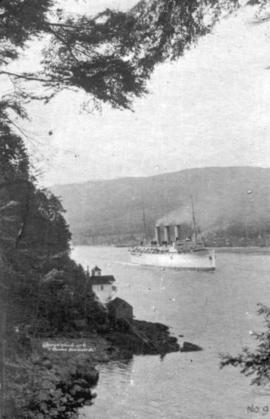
123,367
115,378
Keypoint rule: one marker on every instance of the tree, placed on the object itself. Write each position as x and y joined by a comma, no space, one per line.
257,363
112,55
40,286
13,170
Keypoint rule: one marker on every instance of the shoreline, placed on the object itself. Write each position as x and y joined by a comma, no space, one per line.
145,338
65,368
61,372
222,249
243,250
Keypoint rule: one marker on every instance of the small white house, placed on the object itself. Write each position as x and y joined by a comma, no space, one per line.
103,285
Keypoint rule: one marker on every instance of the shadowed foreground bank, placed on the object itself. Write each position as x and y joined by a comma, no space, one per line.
52,377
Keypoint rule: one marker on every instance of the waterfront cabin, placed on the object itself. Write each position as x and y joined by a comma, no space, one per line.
120,310
102,285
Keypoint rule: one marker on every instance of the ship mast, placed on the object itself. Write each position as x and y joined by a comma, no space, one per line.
194,220
144,224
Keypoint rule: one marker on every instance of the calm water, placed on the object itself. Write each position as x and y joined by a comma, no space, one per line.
214,310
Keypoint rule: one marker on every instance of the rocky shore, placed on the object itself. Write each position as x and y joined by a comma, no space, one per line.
143,338
58,374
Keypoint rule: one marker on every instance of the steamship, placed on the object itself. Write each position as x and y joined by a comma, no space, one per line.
178,254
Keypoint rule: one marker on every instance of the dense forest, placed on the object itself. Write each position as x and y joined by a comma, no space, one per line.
42,289
231,205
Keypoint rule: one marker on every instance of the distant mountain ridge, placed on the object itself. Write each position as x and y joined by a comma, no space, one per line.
111,211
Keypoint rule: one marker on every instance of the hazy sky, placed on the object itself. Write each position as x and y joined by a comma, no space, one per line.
210,108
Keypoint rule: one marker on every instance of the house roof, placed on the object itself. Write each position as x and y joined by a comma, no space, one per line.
96,268
102,279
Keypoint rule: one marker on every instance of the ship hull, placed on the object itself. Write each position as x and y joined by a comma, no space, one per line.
203,260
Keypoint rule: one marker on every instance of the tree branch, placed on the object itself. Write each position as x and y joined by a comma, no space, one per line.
61,39
64,25
29,78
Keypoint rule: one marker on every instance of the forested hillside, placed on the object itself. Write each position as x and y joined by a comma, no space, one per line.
232,205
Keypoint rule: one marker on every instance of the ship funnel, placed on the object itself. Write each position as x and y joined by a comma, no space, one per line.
167,234
177,232
158,235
